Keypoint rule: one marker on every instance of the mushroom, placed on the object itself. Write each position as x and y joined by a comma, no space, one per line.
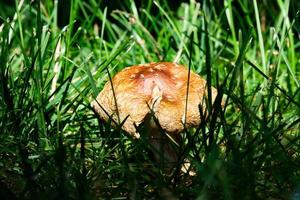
151,93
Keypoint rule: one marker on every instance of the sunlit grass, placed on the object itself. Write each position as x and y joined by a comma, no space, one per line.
54,146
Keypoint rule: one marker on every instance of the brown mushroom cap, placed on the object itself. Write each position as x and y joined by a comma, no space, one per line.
162,87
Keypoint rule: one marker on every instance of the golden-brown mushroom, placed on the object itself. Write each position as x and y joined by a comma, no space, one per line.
158,89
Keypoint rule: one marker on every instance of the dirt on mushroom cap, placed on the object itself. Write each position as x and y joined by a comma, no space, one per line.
161,87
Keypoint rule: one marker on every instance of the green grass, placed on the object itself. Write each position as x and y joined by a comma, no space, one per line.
53,146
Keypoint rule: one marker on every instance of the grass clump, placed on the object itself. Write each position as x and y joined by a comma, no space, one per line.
57,55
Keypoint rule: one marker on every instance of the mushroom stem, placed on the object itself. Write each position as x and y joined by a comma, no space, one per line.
163,147
161,144
164,151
